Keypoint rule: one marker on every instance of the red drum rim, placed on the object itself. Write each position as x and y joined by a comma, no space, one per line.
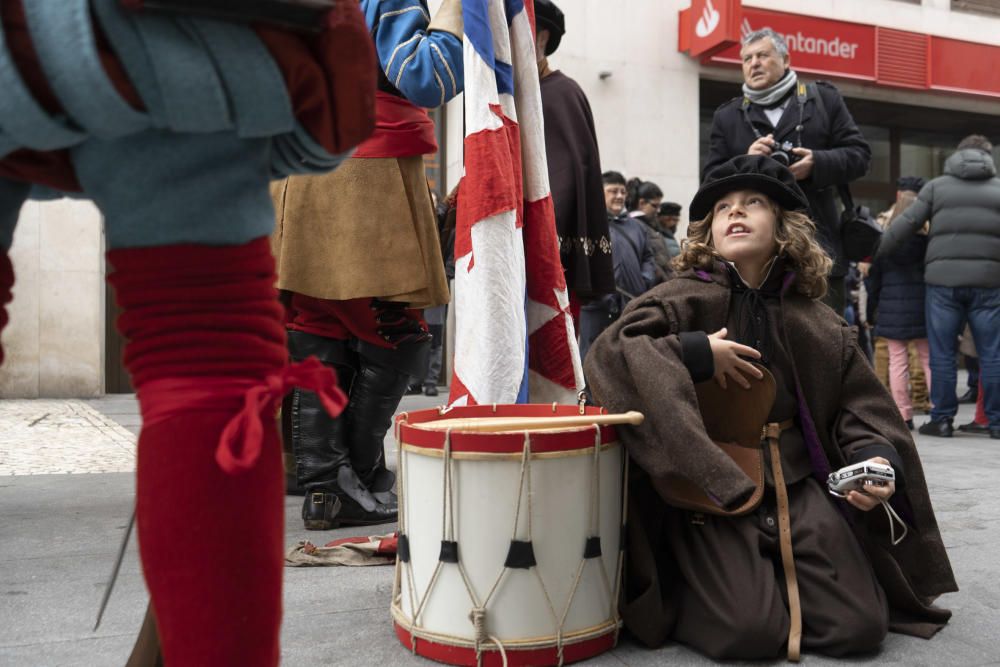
511,442
463,655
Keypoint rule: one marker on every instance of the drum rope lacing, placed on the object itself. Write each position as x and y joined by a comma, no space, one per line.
477,615
407,563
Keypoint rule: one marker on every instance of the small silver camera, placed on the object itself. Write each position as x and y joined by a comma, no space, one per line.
854,477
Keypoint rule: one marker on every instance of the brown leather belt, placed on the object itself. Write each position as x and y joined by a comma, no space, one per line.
772,433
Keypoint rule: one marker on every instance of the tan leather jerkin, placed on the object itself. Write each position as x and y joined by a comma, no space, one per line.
734,419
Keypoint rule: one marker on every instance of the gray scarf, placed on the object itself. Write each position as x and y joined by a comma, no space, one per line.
771,96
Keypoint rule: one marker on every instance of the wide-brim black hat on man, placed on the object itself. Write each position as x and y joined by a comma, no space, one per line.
549,17
749,172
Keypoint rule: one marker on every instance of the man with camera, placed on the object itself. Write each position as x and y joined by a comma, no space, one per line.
805,127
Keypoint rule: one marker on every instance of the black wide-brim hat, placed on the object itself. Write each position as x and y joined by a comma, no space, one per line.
551,18
749,172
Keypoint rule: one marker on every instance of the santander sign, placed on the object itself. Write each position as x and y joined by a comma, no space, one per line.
805,43
708,26
708,21
818,46
710,31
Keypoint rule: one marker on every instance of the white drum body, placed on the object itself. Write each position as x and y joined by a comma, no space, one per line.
536,521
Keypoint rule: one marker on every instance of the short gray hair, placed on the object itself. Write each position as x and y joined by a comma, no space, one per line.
780,45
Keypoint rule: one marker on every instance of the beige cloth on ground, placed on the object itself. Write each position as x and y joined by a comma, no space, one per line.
343,552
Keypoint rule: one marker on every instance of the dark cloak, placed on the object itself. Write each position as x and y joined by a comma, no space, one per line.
637,364
577,188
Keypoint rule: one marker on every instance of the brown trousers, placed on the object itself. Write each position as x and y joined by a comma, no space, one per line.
731,596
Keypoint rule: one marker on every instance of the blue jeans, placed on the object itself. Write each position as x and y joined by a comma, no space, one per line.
948,309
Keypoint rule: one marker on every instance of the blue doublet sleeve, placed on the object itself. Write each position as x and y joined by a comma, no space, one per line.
425,66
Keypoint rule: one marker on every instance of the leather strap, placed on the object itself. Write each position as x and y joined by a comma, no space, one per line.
772,432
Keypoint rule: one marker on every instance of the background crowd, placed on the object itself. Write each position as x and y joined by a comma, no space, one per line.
934,283
619,233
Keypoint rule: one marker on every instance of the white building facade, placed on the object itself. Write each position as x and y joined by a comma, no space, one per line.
55,342
917,76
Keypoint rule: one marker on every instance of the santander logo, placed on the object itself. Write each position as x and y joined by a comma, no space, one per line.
818,46
708,21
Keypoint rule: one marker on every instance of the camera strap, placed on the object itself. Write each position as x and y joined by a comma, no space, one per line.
801,95
891,513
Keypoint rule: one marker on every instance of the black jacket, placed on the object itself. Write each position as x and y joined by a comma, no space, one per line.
963,206
635,269
896,290
840,152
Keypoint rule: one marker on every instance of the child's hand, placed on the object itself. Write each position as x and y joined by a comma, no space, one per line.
870,495
726,354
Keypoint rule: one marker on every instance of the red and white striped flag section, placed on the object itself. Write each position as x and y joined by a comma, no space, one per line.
513,325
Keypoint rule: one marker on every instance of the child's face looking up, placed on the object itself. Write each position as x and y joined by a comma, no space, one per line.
743,227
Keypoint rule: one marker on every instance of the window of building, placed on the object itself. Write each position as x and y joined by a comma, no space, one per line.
991,7
923,153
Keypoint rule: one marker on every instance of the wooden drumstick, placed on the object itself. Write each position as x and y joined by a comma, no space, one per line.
488,424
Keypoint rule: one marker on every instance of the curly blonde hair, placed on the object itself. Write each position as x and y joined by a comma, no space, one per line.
795,234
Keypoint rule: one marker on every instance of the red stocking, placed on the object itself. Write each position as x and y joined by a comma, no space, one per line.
6,282
207,357
981,406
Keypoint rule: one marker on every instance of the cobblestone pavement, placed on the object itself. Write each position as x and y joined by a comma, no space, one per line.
42,437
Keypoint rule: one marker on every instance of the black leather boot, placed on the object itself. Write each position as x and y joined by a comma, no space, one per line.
323,459
318,441
359,506
382,379
321,445
292,487
320,510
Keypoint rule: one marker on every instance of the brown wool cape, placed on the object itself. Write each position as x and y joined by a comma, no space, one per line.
636,364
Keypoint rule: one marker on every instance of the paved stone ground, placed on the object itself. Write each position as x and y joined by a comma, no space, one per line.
60,530
61,437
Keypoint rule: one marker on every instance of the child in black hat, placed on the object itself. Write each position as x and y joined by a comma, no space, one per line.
747,288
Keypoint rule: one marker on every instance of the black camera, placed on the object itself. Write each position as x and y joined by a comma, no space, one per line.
783,154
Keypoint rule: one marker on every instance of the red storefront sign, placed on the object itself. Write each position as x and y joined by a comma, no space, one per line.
819,46
839,49
964,67
709,25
